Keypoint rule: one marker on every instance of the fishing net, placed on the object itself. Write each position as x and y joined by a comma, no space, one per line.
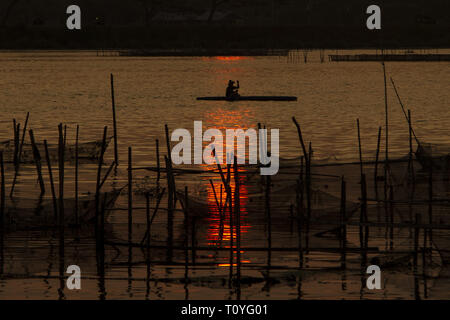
86,150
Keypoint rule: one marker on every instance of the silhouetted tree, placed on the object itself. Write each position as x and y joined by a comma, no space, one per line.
214,5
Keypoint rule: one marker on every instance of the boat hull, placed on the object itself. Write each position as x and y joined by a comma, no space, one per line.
249,98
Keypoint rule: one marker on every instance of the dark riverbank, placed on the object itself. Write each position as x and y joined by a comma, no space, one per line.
222,38
223,25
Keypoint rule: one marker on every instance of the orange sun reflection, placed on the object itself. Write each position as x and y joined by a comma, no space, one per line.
220,231
229,58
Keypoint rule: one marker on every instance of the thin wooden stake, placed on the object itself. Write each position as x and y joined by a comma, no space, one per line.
16,146
37,161
416,239
169,166
52,185
430,203
19,155
299,220
61,174
375,175
130,195
65,135
99,173
403,109
147,215
359,148
170,206
116,152
363,217
410,160
219,208
343,222
23,137
386,164
237,213
158,165
2,196
76,175
16,142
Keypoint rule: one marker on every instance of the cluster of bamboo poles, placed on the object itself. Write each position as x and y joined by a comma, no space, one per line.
58,200
294,56
303,192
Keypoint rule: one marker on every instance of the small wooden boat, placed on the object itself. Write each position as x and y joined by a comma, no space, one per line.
249,98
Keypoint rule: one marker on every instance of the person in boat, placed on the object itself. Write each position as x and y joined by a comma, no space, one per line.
232,90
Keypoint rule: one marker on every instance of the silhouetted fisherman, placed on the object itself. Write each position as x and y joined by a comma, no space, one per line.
232,90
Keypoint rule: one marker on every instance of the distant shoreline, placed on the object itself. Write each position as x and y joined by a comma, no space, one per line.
177,53
222,38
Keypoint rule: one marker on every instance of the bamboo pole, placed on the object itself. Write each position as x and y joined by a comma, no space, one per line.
23,136
160,195
113,103
2,212
52,185
61,174
76,175
360,148
158,161
308,188
343,222
147,215
430,203
37,161
186,228
308,172
364,218
169,165
299,131
130,195
238,220
100,252
386,164
186,242
403,109
299,199
220,204
391,217
16,146
65,135
2,196
99,173
16,142
19,155
148,233
363,210
416,239
219,207
170,206
410,159
375,176
105,177
268,213
230,210
61,217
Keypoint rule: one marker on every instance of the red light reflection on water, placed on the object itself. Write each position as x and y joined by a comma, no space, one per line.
220,232
230,58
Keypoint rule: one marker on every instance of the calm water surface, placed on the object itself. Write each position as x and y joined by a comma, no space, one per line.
73,88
